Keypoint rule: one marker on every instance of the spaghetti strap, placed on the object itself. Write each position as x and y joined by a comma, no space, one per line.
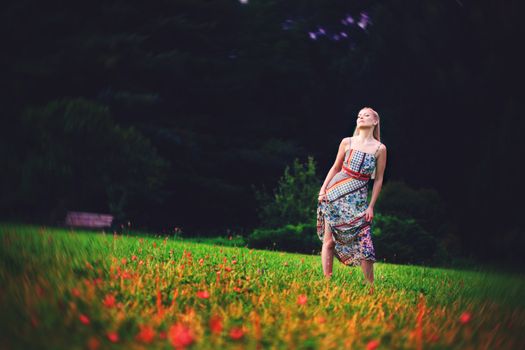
377,148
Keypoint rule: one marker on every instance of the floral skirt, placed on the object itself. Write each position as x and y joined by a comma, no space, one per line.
351,233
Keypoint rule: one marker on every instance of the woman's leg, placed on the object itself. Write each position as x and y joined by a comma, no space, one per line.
368,270
327,252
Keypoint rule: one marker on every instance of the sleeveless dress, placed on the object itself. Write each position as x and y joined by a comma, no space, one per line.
344,207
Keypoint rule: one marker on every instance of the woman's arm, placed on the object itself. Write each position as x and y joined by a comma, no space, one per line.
336,167
380,171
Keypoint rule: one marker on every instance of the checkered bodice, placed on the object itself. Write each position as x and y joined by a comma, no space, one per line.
359,163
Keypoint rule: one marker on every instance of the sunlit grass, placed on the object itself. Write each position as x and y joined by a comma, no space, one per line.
63,289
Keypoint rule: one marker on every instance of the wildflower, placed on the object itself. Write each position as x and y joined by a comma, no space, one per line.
227,268
75,292
84,319
93,343
216,324
234,262
180,336
237,289
109,301
133,257
236,333
433,338
285,263
465,317
34,321
146,334
113,337
320,319
301,299
124,261
201,261
203,294
372,345
39,290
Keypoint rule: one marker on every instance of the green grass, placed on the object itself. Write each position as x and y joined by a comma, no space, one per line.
52,279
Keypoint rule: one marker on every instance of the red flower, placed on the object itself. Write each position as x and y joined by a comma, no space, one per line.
133,257
301,299
234,262
237,289
180,336
154,244
216,324
372,345
124,261
93,343
75,292
321,319
109,300
227,268
433,338
113,337
465,317
236,333
201,261
203,294
146,334
84,319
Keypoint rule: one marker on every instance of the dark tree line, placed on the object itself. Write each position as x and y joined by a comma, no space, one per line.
222,95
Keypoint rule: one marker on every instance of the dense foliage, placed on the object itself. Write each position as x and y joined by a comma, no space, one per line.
230,92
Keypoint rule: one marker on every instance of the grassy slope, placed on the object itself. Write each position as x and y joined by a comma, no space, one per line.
50,277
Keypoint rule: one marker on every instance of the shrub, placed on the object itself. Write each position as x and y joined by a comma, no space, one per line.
398,240
78,158
424,205
301,238
294,201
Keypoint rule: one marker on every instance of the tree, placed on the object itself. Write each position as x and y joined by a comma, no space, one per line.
77,158
294,199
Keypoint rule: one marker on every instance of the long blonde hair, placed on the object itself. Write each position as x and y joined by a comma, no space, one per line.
376,133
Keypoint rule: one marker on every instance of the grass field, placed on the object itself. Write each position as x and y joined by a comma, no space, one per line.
62,289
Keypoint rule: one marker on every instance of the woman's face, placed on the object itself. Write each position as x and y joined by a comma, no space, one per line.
365,118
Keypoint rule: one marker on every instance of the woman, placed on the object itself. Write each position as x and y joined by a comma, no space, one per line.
343,215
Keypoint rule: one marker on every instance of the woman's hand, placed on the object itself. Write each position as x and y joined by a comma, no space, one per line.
322,195
369,214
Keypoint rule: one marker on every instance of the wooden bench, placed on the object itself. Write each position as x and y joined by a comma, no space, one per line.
91,220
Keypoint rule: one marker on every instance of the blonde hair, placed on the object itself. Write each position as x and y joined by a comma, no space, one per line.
376,133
